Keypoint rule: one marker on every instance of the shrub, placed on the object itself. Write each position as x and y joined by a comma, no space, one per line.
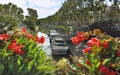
101,55
21,55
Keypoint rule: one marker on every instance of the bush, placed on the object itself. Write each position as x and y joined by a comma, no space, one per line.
21,55
101,56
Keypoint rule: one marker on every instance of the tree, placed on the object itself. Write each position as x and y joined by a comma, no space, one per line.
12,10
10,15
81,12
31,19
7,22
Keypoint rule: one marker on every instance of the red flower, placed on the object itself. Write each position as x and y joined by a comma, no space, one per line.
79,38
14,41
88,62
12,46
90,43
79,33
19,51
79,65
102,68
4,37
86,50
40,39
75,40
111,73
16,48
19,46
118,53
93,41
106,71
105,44
24,30
30,36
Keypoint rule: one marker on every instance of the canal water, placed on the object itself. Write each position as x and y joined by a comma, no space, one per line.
46,45
47,48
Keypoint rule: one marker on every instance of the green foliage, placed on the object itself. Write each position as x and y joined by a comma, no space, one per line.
12,10
10,16
7,22
34,61
45,30
102,53
63,28
31,19
83,12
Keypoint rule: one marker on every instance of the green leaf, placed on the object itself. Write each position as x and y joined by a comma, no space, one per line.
98,64
18,61
84,64
89,56
73,67
21,67
20,57
30,65
1,68
106,60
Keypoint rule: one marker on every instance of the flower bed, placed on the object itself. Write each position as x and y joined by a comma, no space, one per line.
101,56
21,55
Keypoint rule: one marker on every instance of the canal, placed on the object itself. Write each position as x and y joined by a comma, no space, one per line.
75,50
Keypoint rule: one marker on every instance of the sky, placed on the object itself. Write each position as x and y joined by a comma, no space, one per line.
44,8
